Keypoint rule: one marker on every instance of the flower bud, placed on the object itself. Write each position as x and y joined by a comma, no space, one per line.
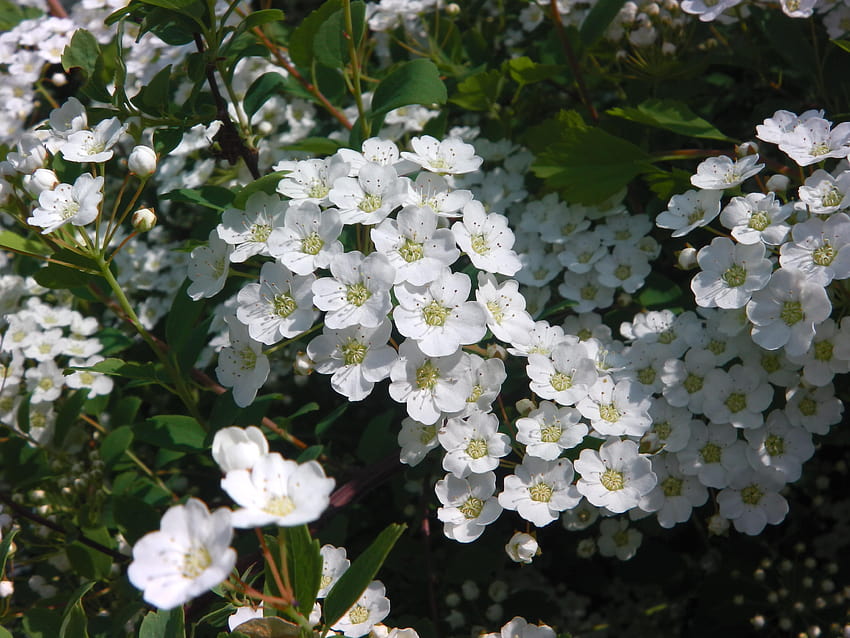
7,588
525,406
453,9
778,183
143,220
42,179
236,448
142,161
746,148
718,525
59,79
303,365
522,548
687,258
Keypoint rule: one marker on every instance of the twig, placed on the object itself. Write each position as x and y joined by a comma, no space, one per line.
56,9
232,145
573,61
78,535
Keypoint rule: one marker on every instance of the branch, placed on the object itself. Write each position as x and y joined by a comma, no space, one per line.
573,61
56,9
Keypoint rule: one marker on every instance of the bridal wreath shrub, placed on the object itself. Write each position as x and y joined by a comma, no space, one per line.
416,319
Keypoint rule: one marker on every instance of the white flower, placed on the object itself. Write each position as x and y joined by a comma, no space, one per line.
785,312
416,440
565,376
690,210
756,218
242,365
208,267
676,493
142,161
519,627
310,180
522,548
774,129
820,248
334,564
188,556
432,191
540,490
235,448
452,155
616,409
549,430
372,607
713,453
438,315
78,204
815,409
616,538
586,290
626,268
95,382
374,150
45,382
825,194
370,197
752,500
814,140
473,444
739,396
249,230
730,273
357,357
469,505
358,292
829,354
278,491
486,239
719,173
616,476
671,427
487,376
93,146
507,318
780,445
279,307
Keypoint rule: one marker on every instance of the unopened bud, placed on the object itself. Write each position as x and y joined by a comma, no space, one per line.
687,258
303,365
59,79
525,406
453,9
7,588
142,161
747,148
778,183
143,220
42,179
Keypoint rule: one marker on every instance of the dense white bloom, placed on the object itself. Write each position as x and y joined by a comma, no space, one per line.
709,10
248,230
308,238
713,453
438,315
616,476
719,173
357,357
94,146
549,430
432,191
780,445
820,248
486,239
542,338
44,381
310,180
358,292
616,409
235,448
539,490
78,204
242,365
756,218
473,444
690,210
469,505
279,307
829,354
278,491
372,607
452,155
739,396
815,409
626,268
785,312
675,495
825,194
487,376
814,140
670,429
188,556
565,376
752,500
370,197
208,267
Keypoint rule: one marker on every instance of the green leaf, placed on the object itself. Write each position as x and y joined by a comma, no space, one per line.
330,44
665,184
81,52
672,116
5,633
58,277
479,92
659,292
414,82
87,561
842,44
5,545
524,70
266,184
305,565
356,578
12,14
134,516
301,41
68,415
315,146
259,18
311,453
215,197
129,369
166,140
261,89
115,444
325,424
186,336
172,432
113,340
42,623
155,96
377,440
74,621
13,241
175,5
598,19
163,624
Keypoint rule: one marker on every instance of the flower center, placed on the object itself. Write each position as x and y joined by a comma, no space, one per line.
476,393
770,363
751,495
248,358
693,383
70,209
609,413
646,375
357,294
427,375
476,449
696,215
551,433
759,220
823,350
540,492
621,538
711,453
46,383
667,337
736,402
472,507
818,149
410,251
623,272
195,562
280,506
284,305
370,203
715,346
496,310
561,381
671,486
792,312
260,232
808,407
427,434
612,480
775,445
480,244
833,197
359,614
824,255
435,314
588,293
312,244
353,352
662,429
734,276
317,189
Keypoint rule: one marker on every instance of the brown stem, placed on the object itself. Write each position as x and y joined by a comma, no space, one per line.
311,88
232,145
284,591
56,9
573,61
77,534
